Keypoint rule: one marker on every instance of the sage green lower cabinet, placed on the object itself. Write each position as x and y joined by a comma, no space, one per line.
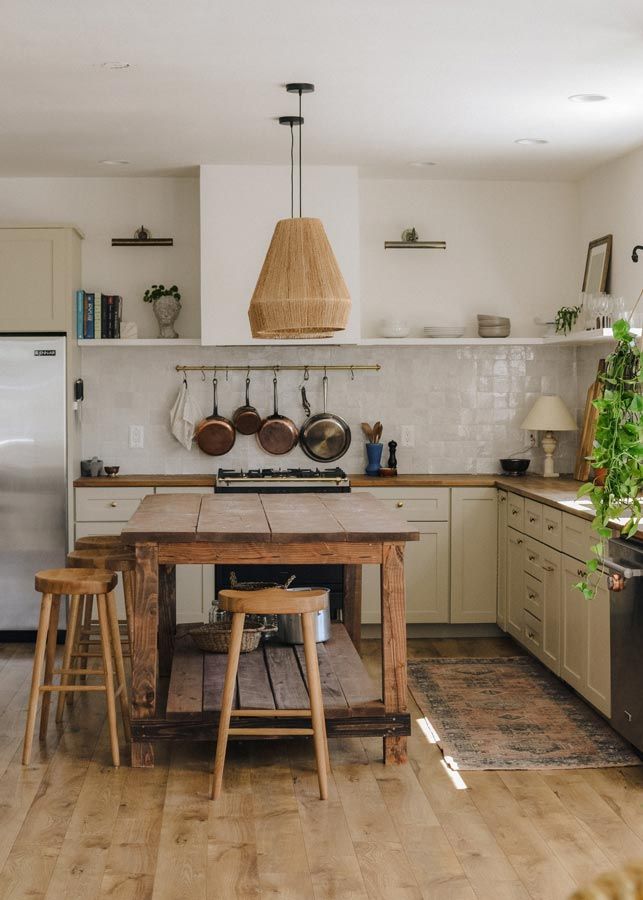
515,583
474,555
501,612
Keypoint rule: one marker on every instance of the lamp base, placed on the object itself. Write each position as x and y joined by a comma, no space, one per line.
548,444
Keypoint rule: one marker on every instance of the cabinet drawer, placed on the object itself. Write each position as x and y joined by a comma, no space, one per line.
552,527
108,504
533,557
533,632
516,512
576,536
533,596
416,504
534,519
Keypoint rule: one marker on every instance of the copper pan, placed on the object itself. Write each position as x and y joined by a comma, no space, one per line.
216,434
278,434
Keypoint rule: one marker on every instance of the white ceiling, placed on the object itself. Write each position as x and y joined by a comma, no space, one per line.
454,81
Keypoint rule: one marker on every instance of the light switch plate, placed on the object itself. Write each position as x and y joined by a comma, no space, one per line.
407,435
136,437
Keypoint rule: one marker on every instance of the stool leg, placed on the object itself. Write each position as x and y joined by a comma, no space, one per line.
38,663
50,659
226,701
118,662
103,621
83,645
316,702
70,641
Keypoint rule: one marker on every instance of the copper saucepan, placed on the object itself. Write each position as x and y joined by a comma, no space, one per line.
245,418
278,434
216,434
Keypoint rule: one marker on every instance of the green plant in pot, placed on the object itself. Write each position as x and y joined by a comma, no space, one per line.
166,303
618,450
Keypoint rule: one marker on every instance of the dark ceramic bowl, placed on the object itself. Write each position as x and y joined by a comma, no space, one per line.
514,466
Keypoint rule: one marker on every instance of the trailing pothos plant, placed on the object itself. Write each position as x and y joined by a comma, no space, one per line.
618,450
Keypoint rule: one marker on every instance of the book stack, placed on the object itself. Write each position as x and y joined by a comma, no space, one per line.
98,316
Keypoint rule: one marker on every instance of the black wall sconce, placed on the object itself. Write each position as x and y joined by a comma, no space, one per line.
635,255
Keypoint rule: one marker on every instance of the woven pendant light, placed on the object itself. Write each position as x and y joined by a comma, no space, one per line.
300,292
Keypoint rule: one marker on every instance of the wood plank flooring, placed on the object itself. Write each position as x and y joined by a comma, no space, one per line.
73,827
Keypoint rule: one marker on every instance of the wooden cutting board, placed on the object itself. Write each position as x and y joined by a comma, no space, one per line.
588,431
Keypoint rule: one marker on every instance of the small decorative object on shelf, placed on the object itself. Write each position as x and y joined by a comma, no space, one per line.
373,447
166,303
411,241
142,238
566,318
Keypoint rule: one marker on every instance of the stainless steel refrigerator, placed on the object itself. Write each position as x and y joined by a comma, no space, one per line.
33,472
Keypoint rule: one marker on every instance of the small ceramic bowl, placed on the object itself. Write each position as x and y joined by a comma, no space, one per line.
394,328
112,471
515,466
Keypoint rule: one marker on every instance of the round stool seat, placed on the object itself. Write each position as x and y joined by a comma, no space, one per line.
99,540
75,581
114,559
278,601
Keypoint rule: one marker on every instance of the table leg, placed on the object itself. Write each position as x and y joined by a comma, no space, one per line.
144,651
393,644
167,618
352,609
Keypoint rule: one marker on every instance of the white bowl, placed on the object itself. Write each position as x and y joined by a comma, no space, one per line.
394,328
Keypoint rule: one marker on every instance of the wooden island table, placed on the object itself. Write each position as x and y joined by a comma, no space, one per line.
347,529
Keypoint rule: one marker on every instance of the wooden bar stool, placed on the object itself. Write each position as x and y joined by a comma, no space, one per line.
81,628
52,584
273,601
91,541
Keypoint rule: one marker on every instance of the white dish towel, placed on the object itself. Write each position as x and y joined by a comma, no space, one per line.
185,416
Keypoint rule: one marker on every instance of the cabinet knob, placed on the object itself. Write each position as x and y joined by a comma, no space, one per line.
532,519
502,498
530,634
581,573
113,503
548,568
532,596
550,527
514,512
520,541
400,504
532,558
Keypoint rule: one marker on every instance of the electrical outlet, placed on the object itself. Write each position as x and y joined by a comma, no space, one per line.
407,435
136,437
532,440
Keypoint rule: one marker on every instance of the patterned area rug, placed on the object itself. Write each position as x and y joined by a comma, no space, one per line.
511,713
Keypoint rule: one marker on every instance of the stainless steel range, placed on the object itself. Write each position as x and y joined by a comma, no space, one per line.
285,481
282,481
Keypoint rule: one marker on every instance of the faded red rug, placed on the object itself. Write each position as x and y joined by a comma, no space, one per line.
511,713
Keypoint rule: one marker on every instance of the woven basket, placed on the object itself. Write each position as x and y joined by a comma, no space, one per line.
215,638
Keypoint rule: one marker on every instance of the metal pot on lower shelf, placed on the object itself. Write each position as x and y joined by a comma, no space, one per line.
289,630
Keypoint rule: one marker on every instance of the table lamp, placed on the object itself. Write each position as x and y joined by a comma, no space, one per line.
549,414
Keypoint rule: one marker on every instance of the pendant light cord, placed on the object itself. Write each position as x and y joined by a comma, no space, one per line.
300,123
292,173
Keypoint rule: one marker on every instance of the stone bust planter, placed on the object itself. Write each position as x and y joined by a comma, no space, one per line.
166,309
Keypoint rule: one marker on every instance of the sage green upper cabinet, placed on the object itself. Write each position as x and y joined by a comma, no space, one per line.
39,274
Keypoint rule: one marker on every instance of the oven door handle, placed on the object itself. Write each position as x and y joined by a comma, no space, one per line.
625,571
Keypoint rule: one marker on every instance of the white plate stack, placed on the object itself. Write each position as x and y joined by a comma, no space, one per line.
494,326
443,331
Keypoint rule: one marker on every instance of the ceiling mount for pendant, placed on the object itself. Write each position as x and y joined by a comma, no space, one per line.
300,292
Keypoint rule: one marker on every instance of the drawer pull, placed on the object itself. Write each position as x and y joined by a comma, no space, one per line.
581,573
502,498
530,634
532,519
532,558
551,527
532,596
113,503
514,511
400,504
548,568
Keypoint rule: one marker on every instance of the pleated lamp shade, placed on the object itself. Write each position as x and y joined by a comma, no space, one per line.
300,292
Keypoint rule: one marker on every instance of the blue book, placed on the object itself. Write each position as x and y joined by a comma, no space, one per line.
89,315
80,298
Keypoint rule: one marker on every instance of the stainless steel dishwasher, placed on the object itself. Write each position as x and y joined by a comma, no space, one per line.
625,581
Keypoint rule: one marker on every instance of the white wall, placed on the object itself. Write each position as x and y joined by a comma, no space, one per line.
104,208
239,208
611,202
511,250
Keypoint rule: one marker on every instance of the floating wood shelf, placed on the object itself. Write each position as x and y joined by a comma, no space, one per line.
415,245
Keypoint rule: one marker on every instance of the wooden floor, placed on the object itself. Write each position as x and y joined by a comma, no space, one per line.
73,827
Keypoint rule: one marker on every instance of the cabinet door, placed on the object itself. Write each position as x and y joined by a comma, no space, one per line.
194,584
515,584
33,262
573,663
501,613
474,554
552,581
598,670
426,571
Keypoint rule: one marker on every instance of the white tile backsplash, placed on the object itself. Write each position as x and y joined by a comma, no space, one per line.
466,403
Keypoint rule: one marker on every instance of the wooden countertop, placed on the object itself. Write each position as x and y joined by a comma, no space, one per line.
148,481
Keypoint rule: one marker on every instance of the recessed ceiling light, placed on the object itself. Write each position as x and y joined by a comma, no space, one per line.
531,141
587,98
115,64
422,164
114,162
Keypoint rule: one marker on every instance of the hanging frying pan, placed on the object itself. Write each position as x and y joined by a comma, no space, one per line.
216,434
325,437
278,434
246,419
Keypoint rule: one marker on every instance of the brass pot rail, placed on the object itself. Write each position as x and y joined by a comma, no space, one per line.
279,368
